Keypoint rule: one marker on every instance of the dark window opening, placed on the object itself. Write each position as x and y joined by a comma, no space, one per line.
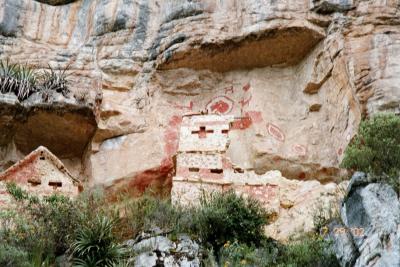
42,158
55,184
225,131
203,132
238,170
34,182
194,169
216,170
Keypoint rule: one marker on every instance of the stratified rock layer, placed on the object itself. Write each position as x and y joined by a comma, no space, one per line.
298,74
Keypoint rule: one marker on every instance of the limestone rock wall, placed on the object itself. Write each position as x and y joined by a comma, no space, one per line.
299,74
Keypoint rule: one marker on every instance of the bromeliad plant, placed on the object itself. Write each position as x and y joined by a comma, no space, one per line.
18,79
95,244
23,80
55,80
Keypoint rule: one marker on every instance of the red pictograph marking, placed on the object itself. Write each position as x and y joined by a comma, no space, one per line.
246,87
275,132
171,135
256,116
340,151
299,150
220,105
245,102
246,121
188,107
242,123
229,90
226,164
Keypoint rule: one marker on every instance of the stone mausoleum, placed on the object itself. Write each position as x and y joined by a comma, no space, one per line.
40,173
202,164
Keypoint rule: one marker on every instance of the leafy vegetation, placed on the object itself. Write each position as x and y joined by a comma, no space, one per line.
237,254
44,228
18,79
55,80
308,251
89,231
376,148
228,217
16,191
11,256
23,80
95,244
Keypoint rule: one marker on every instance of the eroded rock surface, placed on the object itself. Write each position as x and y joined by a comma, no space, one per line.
369,235
300,74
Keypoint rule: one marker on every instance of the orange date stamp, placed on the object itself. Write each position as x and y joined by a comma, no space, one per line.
355,231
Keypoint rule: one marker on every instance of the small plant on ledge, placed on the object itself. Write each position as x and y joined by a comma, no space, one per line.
23,81
55,80
18,79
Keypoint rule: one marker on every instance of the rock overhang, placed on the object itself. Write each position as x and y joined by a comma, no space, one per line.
279,43
56,2
65,127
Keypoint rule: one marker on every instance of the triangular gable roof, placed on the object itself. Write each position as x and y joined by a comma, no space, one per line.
41,151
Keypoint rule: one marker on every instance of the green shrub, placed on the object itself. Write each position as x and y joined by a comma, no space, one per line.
310,251
148,212
95,244
236,254
16,192
13,257
376,148
226,217
43,227
56,219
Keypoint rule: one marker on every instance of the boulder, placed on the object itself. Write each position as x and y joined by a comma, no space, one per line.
343,245
369,235
158,250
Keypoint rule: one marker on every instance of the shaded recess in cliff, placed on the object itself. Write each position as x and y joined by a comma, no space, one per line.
274,46
64,128
56,2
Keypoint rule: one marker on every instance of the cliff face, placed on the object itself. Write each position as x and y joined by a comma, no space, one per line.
299,74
